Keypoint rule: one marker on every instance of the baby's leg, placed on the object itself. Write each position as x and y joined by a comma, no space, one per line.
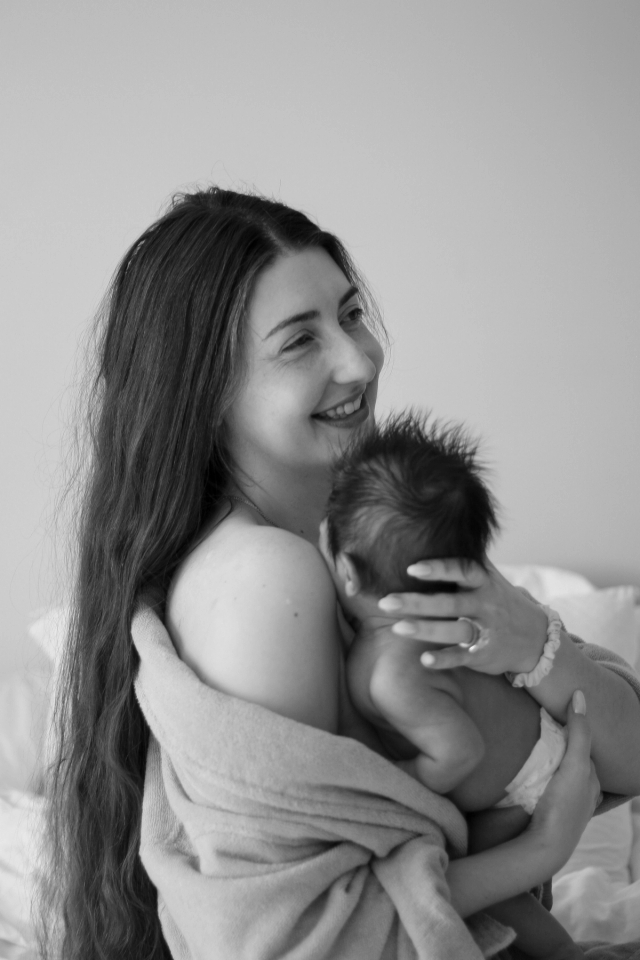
538,933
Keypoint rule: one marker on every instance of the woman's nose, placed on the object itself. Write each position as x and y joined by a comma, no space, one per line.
351,363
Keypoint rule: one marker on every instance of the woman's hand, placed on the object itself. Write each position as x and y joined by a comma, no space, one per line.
568,803
512,627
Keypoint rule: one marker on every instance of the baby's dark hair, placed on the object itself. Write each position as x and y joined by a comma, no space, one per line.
407,491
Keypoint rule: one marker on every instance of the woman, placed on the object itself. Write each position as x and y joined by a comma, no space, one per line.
237,357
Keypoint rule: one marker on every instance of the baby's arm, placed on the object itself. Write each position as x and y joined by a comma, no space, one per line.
426,709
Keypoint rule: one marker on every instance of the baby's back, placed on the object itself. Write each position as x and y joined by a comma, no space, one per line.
507,718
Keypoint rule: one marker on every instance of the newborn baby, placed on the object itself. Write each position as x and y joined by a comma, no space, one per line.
404,493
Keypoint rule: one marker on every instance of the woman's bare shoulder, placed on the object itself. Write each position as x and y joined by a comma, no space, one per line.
253,612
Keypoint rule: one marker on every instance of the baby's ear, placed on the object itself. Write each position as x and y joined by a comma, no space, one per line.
348,574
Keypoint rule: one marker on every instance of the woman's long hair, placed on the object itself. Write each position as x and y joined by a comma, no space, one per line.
170,348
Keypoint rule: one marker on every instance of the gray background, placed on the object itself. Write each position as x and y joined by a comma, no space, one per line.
479,158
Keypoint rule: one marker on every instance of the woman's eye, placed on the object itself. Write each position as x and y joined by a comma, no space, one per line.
300,341
353,317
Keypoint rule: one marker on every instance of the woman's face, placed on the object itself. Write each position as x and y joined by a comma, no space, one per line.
311,369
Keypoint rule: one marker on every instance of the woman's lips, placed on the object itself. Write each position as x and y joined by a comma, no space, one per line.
350,420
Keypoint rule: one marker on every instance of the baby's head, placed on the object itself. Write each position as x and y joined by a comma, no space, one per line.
404,492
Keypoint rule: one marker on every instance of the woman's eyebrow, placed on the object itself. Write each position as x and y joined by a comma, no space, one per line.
347,296
309,314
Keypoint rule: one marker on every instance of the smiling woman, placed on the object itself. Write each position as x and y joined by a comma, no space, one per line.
309,380
238,356
233,331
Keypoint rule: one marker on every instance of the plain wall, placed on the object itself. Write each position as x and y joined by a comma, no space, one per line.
479,158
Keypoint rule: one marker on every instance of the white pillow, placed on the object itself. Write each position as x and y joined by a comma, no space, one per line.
23,718
25,707
50,631
546,582
608,617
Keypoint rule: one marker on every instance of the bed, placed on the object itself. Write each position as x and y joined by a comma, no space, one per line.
596,895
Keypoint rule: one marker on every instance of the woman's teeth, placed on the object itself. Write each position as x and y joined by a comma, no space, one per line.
343,410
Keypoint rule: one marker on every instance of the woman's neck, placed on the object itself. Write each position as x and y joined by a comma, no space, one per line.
295,504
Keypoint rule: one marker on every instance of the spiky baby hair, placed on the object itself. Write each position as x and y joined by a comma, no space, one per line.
406,491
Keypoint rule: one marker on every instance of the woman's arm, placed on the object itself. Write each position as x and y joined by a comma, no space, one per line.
255,616
614,712
516,627
483,879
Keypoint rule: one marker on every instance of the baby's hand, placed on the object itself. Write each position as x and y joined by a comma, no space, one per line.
571,797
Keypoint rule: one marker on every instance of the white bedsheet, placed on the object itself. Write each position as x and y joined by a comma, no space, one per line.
592,906
596,896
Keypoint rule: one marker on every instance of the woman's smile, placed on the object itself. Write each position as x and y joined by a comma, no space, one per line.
349,413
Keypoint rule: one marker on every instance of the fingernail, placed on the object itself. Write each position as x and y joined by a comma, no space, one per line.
427,659
419,570
404,628
579,703
390,603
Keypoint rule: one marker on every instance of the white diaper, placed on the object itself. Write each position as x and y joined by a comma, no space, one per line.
528,785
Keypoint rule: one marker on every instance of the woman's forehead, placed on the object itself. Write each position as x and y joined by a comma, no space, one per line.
304,281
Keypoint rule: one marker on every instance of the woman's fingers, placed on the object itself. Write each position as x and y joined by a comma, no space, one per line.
487,625
435,605
477,657
579,734
578,754
445,632
468,575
